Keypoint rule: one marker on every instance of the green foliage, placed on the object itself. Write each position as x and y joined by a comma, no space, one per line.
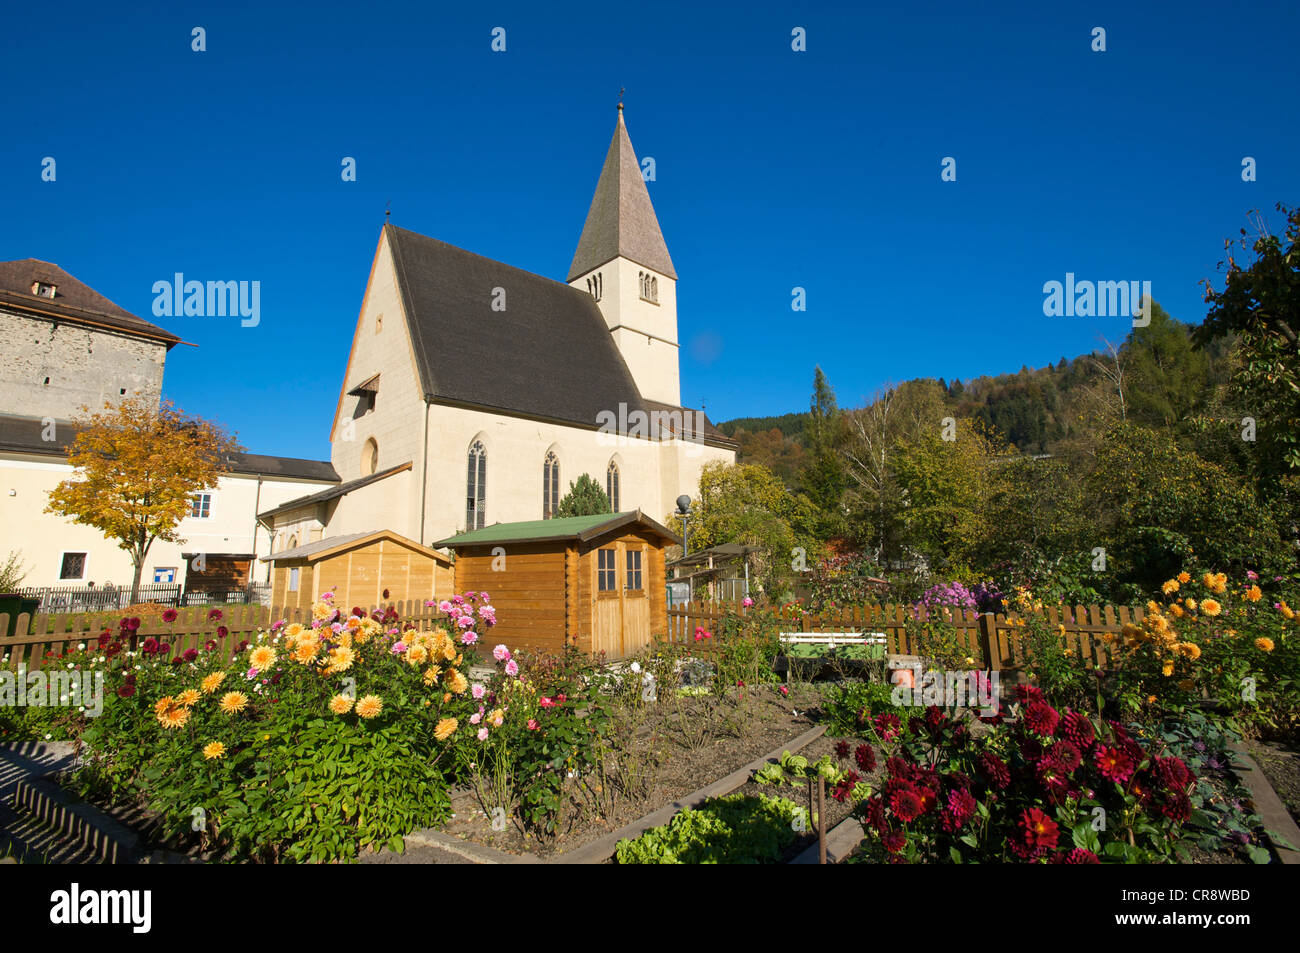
12,572
851,705
741,503
737,829
1157,504
585,498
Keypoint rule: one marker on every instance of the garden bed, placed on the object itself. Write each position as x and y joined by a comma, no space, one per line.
682,743
1281,765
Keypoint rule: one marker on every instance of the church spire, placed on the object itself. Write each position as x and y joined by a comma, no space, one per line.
621,221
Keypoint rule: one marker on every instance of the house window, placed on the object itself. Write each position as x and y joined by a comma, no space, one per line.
165,575
634,569
43,290
293,579
201,506
476,487
595,285
611,486
293,543
550,485
74,566
369,457
606,575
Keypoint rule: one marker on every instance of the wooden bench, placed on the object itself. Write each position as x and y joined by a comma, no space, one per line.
832,638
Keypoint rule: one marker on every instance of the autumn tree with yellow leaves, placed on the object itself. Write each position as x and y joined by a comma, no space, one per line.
138,465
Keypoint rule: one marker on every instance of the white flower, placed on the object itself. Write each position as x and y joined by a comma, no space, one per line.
636,666
70,665
48,736
81,646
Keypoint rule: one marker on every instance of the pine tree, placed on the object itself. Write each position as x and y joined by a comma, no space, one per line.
585,498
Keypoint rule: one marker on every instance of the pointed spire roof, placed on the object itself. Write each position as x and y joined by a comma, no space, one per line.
621,221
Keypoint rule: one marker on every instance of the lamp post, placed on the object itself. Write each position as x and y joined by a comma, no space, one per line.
684,511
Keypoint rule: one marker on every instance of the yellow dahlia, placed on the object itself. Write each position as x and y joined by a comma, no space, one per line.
233,702
1264,644
174,717
212,682
445,729
457,682
261,658
369,706
163,704
431,674
1191,603
1184,577
1168,667
293,630
1254,594
322,611
1189,650
340,704
187,697
417,655
214,749
1210,607
305,652
1170,586
341,658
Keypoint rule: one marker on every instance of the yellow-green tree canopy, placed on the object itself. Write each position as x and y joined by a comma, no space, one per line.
138,466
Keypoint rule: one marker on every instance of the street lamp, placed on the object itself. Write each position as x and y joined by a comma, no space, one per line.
684,511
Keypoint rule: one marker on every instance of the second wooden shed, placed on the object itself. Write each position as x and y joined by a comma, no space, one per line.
358,568
595,582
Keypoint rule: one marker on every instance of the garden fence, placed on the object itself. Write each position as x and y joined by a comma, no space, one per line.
108,599
990,639
43,637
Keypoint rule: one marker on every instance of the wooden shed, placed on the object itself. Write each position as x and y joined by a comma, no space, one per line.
358,568
595,582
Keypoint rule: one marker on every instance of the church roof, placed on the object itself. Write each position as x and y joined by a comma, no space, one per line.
546,353
73,301
621,221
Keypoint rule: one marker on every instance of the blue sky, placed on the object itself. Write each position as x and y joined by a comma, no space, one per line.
775,169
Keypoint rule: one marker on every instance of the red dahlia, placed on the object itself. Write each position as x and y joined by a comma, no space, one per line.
1077,855
841,750
1066,755
961,806
887,725
865,756
907,805
894,841
993,768
1038,832
1041,718
1077,728
1113,764
1174,773
1178,807
1028,693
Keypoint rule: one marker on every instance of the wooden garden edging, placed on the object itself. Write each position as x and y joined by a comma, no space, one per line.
45,637
990,639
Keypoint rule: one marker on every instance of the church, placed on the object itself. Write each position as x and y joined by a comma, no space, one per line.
475,393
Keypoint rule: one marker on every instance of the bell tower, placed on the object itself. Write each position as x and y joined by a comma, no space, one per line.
623,263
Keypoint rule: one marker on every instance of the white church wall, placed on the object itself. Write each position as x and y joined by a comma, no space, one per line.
397,420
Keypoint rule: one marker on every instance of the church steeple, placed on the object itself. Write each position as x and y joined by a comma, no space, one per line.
621,222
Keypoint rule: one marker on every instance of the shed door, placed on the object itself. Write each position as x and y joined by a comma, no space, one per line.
622,620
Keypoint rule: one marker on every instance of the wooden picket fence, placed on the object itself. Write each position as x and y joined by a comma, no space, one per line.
43,638
990,639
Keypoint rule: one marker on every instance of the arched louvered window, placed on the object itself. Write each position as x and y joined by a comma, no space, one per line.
476,487
611,486
550,485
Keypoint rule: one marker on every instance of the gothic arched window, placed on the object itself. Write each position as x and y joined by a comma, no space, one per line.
370,457
550,485
476,487
611,486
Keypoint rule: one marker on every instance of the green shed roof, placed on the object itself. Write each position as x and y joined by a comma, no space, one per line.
581,528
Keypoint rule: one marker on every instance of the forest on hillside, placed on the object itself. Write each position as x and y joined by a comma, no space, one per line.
1097,477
